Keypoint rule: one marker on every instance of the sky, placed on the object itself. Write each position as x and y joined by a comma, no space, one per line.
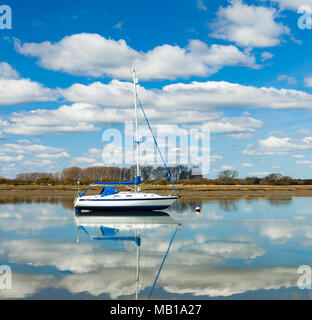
239,70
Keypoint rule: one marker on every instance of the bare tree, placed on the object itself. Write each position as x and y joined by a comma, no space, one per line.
227,176
72,174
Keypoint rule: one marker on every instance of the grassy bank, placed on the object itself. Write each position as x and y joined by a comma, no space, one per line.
165,187
205,191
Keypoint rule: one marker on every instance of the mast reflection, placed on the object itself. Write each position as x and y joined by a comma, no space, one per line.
126,226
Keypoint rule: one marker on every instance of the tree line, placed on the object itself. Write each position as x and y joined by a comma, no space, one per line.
150,175
99,173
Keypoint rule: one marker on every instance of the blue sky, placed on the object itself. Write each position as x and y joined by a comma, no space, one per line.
242,69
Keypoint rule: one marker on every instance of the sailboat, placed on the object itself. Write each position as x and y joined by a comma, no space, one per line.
110,198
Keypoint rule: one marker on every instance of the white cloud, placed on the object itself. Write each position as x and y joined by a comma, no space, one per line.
248,26
5,158
292,4
285,143
114,94
93,157
266,55
22,91
7,72
246,164
165,130
179,103
59,155
28,148
304,162
40,164
25,156
259,173
65,119
215,157
308,81
68,119
234,124
85,160
278,145
93,55
94,151
286,78
15,90
189,96
221,94
101,104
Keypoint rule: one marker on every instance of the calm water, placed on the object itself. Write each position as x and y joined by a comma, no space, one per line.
234,249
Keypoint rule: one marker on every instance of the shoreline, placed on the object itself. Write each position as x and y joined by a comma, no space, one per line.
185,191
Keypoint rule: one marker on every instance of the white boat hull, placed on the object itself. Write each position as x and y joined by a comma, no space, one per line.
124,201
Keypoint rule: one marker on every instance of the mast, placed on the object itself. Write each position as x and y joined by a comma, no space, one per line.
135,80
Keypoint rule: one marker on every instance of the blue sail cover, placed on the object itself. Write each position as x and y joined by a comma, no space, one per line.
136,181
108,191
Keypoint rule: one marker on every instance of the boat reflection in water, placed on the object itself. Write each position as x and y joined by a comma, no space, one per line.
126,226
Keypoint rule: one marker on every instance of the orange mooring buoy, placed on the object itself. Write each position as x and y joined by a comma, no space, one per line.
197,210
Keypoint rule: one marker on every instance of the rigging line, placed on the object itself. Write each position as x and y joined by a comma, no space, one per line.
162,263
162,158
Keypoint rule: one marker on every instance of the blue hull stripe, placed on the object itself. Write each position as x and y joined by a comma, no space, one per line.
122,208
127,199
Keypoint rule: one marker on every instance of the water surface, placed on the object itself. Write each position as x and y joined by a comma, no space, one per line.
233,249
